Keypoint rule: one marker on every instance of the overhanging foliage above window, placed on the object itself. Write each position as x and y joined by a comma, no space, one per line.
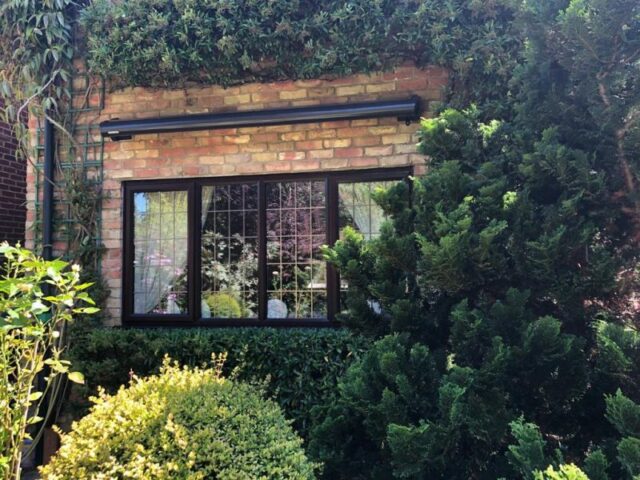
169,43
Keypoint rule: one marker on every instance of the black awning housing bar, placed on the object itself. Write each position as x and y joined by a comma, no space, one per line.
405,110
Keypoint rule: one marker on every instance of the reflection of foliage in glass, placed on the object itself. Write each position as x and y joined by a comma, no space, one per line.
223,305
358,209
161,232
230,266
296,227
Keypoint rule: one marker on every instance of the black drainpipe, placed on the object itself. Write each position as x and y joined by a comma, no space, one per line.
47,244
47,197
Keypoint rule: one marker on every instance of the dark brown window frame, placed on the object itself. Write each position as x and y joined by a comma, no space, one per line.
193,187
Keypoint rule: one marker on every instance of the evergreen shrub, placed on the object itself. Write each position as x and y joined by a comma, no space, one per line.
185,423
505,282
224,305
301,367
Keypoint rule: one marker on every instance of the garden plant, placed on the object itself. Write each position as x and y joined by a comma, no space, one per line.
505,284
499,306
37,299
184,423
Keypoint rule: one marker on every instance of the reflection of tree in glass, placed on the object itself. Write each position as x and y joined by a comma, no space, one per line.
296,228
358,208
230,265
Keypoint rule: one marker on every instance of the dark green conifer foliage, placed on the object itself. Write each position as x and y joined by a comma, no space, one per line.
624,414
596,465
505,276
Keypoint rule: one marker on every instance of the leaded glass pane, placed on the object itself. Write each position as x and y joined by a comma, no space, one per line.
229,252
296,228
358,210
160,252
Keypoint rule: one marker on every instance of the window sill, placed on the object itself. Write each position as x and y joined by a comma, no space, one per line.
232,322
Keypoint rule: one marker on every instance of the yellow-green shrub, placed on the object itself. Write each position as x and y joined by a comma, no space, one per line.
223,305
185,423
565,472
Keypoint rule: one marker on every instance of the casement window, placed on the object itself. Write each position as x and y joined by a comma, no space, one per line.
242,250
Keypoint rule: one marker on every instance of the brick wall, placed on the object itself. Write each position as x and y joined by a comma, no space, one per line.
12,188
343,145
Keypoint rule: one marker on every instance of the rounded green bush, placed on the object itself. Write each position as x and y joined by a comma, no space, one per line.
224,305
181,424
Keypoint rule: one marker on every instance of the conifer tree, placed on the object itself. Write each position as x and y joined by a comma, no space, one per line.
505,276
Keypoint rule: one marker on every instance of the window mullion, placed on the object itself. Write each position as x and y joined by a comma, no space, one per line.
262,251
332,236
195,227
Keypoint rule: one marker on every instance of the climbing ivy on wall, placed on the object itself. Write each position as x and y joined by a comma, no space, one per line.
36,54
36,78
170,43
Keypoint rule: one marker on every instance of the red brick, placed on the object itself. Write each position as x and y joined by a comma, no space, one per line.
224,149
352,132
367,141
309,145
295,136
334,163
305,165
191,170
378,151
348,152
325,133
293,94
328,153
148,172
291,155
337,143
278,166
364,162
265,137
412,84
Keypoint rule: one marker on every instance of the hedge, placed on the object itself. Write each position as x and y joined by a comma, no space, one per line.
301,367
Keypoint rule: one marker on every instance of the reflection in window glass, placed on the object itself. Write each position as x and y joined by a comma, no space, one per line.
358,210
296,228
229,251
160,252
